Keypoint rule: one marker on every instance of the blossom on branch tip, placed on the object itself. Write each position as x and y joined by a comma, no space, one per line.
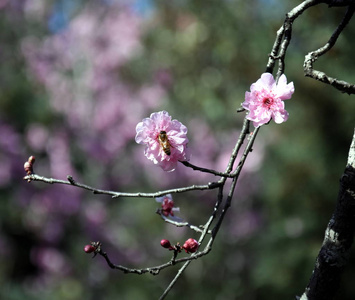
165,140
89,248
265,100
28,166
93,247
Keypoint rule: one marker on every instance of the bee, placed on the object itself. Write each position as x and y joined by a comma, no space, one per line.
164,142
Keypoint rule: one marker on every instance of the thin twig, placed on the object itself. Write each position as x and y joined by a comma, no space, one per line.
204,170
247,150
180,223
238,145
152,270
283,37
311,57
71,181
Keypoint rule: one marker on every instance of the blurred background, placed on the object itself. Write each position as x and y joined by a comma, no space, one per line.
75,79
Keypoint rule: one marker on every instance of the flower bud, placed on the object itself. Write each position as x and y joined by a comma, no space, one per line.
31,159
28,168
191,246
89,248
165,244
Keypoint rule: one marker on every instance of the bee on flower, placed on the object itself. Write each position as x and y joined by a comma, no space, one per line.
165,139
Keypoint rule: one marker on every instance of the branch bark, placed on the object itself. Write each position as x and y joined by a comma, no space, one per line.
312,57
339,236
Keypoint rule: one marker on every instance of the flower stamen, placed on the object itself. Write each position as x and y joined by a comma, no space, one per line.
267,102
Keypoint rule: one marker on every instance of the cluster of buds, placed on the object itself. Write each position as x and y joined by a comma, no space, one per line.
28,166
190,246
93,247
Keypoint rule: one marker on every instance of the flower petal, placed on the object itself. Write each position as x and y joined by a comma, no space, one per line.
284,90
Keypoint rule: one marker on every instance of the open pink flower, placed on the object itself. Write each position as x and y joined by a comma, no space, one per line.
265,100
165,140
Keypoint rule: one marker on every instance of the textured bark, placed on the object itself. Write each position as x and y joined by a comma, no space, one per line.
339,235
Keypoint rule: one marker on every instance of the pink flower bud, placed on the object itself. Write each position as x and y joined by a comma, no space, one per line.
28,168
191,246
89,248
31,159
165,244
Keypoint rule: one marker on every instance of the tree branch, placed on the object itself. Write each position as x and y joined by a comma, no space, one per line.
351,156
311,57
339,236
204,170
283,37
333,3
71,181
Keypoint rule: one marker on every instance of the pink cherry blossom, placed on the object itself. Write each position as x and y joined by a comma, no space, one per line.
265,100
165,140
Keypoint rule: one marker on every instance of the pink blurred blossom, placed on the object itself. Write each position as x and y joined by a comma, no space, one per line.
59,153
167,151
9,139
265,100
5,170
37,136
50,260
95,213
164,77
79,63
80,69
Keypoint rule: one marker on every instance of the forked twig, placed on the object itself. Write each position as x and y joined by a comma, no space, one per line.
312,57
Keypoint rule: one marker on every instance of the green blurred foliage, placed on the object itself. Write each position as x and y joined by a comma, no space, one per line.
214,51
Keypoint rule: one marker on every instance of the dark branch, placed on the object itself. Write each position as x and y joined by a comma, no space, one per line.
338,239
332,3
283,37
204,170
311,57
